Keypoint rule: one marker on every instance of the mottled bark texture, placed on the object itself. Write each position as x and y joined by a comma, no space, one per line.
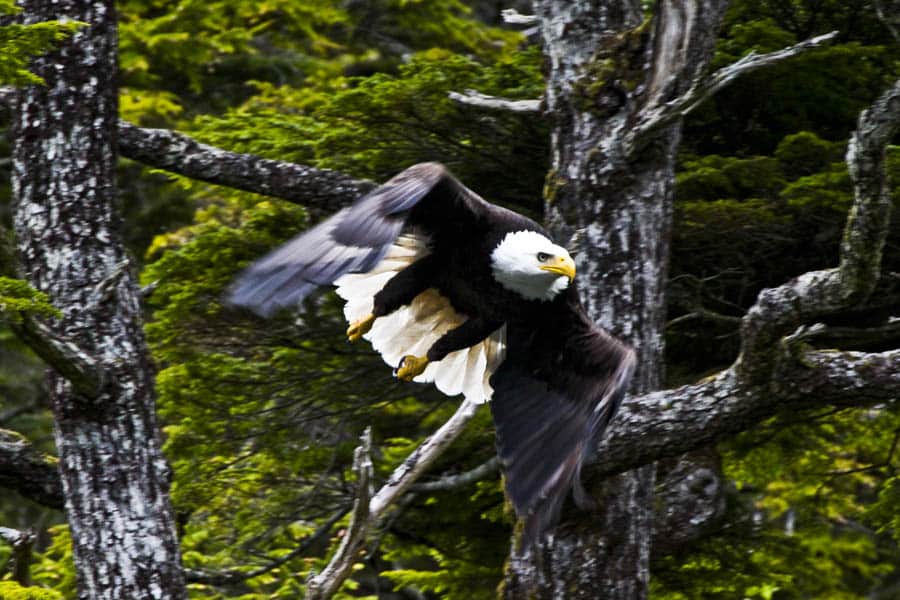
320,190
606,67
114,478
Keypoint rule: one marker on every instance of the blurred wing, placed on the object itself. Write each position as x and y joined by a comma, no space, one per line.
549,418
353,240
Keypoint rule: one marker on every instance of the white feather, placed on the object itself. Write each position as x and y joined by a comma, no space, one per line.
413,329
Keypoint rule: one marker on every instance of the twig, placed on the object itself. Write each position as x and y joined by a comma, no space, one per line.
656,117
473,98
325,584
514,17
22,543
451,482
422,458
232,576
368,512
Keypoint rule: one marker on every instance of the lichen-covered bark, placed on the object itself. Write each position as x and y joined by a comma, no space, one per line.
320,190
114,477
606,65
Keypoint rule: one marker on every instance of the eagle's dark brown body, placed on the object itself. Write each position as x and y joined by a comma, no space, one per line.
561,378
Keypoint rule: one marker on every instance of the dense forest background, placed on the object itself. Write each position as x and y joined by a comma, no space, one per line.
261,417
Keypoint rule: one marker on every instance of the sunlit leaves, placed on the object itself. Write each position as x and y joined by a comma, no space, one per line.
18,43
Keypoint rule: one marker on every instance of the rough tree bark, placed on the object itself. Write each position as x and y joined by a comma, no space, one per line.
618,89
606,67
114,478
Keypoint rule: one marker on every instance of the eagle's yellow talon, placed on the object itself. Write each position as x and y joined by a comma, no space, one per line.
411,366
359,328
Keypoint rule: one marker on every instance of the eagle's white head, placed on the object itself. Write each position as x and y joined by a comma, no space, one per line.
529,264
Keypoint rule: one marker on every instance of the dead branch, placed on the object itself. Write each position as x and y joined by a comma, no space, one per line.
656,116
474,98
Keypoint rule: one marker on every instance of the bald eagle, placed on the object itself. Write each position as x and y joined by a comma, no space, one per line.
476,298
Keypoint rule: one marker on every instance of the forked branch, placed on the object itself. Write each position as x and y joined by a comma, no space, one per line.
654,117
369,510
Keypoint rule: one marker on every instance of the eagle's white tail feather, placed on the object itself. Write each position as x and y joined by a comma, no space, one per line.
475,366
414,328
451,375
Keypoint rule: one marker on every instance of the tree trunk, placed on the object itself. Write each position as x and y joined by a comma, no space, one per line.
115,479
605,66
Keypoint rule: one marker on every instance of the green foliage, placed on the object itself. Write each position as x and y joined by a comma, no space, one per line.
9,590
55,568
261,417
372,127
180,54
18,43
18,298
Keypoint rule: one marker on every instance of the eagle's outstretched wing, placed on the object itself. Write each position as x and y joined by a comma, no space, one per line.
554,395
356,238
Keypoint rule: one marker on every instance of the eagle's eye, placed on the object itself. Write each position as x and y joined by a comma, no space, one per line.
543,256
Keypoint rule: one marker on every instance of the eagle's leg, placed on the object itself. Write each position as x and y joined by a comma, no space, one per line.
468,334
411,366
400,290
360,328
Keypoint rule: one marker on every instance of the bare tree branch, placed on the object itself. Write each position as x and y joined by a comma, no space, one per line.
668,423
774,370
28,471
657,116
11,413
889,18
368,512
422,458
22,543
780,310
325,584
61,354
514,17
317,189
473,98
451,482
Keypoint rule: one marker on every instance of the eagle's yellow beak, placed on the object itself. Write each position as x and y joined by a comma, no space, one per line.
563,265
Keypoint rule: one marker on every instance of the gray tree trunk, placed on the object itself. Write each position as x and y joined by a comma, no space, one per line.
606,66
115,480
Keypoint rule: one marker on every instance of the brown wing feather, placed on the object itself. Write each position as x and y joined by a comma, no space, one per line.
554,396
355,239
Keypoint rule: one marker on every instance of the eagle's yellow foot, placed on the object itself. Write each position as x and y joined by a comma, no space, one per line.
411,366
360,328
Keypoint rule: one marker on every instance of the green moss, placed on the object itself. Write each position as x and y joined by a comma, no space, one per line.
616,69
